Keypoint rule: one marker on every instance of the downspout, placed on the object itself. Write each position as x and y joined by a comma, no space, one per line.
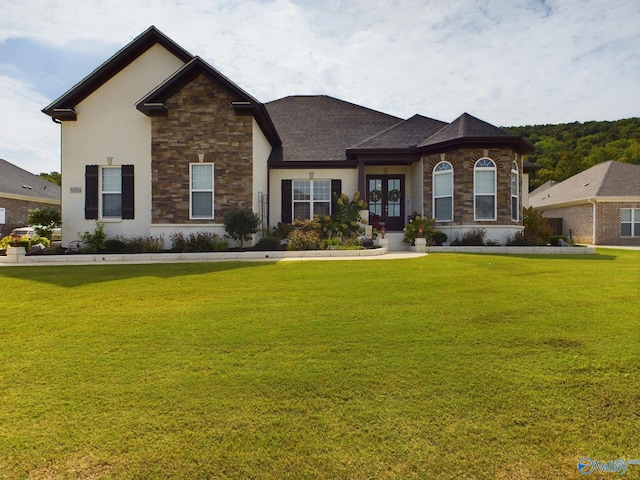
593,220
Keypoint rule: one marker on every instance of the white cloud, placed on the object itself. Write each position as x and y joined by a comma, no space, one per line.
507,62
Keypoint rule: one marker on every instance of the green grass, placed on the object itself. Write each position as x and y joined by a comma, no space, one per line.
447,366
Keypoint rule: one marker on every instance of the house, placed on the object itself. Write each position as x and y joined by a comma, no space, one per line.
599,206
21,191
156,141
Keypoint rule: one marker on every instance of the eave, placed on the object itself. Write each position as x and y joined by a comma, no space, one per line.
518,144
68,101
153,104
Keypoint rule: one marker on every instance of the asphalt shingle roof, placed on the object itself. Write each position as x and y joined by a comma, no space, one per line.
606,179
408,133
16,181
321,128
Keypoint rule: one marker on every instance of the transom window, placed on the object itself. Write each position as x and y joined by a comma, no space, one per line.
443,192
515,193
630,222
201,202
111,192
484,184
310,198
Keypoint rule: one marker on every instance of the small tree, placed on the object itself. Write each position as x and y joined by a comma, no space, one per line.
536,229
44,220
241,224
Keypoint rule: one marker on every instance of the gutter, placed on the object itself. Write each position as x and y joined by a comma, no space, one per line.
593,220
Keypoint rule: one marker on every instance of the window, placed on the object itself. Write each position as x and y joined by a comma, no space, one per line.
443,192
201,190
484,182
310,198
630,222
111,192
515,208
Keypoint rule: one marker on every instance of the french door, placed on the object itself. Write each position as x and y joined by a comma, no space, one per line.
385,196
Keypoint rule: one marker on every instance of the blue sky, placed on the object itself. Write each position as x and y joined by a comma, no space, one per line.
509,62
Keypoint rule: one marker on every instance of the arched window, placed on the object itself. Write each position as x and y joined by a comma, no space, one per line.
515,193
484,185
443,192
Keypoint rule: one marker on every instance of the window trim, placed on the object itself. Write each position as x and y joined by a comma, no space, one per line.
515,173
102,192
633,222
311,201
477,168
192,190
434,197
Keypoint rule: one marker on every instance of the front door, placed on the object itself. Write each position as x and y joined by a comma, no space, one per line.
386,201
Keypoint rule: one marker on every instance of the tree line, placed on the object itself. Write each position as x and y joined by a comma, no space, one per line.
566,149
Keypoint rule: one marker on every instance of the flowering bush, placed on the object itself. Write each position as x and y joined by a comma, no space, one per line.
419,227
346,221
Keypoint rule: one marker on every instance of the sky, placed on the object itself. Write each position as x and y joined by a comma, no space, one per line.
508,62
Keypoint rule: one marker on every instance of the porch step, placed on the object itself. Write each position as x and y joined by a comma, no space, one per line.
395,242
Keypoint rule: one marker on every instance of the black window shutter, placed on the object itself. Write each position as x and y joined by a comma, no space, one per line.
127,192
287,201
91,192
336,191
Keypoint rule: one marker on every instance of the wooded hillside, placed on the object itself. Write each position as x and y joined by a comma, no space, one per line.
569,148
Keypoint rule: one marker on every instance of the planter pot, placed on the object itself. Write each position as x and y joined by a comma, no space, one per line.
16,252
419,245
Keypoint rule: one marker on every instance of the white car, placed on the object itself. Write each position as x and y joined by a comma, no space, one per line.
22,231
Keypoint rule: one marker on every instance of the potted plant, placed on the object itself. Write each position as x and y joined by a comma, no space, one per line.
418,231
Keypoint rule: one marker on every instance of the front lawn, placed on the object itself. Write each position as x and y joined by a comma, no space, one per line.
446,366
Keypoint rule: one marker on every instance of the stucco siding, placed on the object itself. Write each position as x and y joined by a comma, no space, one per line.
109,125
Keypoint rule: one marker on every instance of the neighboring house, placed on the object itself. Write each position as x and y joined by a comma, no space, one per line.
21,191
599,206
157,141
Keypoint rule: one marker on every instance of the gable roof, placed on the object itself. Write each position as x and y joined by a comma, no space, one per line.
154,103
320,128
470,131
16,182
64,107
404,135
606,179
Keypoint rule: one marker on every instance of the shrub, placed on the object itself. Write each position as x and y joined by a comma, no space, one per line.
142,244
471,238
517,240
269,243
536,228
346,220
418,227
439,237
300,239
114,245
241,224
94,241
197,242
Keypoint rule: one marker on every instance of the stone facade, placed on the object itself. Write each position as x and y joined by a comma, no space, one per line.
463,162
200,121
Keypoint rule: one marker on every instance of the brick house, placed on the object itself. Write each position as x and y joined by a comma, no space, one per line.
21,191
599,206
156,141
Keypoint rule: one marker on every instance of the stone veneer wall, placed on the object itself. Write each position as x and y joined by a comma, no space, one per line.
201,120
463,162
